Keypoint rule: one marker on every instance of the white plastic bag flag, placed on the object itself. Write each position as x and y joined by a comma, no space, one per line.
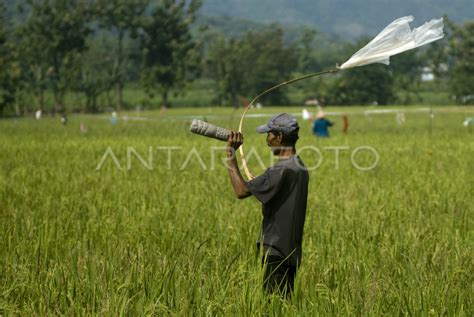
396,38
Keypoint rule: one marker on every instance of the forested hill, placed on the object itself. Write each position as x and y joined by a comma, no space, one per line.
346,18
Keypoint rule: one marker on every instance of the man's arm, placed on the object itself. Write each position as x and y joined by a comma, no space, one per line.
238,184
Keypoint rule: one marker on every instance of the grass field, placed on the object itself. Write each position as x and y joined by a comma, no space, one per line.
82,236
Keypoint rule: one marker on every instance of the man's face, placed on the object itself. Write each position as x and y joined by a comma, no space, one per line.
274,141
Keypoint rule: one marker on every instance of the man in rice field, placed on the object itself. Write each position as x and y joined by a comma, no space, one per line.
321,125
283,190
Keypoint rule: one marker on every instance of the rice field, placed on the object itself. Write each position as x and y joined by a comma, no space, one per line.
139,218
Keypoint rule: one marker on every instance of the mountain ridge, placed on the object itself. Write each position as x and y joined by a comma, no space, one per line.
346,19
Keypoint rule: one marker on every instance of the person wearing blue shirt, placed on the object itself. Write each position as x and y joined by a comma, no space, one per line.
321,126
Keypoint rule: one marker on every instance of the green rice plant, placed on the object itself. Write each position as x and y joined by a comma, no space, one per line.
161,237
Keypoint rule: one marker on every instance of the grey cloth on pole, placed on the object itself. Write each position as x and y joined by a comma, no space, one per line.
209,130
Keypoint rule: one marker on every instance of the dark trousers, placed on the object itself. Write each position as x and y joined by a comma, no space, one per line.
279,277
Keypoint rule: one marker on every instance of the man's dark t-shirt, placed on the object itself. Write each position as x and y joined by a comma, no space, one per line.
283,192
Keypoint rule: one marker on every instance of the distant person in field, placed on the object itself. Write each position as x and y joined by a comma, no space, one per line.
114,118
345,124
38,114
283,190
163,110
82,128
63,119
321,125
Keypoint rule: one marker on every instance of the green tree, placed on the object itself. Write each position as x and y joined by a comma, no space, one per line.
371,84
96,74
170,54
122,18
10,70
223,66
53,37
268,62
305,50
462,72
406,69
362,85
252,64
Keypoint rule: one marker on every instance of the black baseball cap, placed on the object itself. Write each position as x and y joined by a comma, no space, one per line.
284,123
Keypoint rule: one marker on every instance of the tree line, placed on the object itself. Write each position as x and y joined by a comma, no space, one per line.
92,48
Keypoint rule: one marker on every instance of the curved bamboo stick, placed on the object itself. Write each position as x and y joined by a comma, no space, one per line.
241,149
